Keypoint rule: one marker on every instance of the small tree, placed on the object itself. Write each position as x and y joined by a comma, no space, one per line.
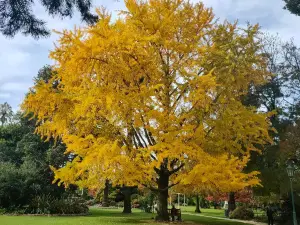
6,113
154,99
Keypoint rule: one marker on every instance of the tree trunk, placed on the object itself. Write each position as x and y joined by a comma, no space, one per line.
126,191
105,196
231,202
197,204
163,183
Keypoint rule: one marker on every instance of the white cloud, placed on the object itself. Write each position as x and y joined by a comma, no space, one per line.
4,95
15,86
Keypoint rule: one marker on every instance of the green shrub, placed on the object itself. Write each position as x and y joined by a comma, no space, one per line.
47,204
242,213
2,211
91,202
119,204
11,185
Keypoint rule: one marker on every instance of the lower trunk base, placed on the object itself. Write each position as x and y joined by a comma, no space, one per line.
162,218
231,202
106,193
127,200
126,211
197,211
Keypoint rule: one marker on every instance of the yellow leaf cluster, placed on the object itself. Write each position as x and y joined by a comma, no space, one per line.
160,87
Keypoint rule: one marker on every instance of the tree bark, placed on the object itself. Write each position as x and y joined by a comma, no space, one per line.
197,204
106,193
231,202
127,192
127,203
163,183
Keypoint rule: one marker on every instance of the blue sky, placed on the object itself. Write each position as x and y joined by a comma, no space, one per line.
22,57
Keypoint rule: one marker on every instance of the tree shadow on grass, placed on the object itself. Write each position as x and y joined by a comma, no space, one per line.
210,221
118,216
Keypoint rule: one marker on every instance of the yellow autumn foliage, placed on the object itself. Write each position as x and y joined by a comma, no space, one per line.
156,92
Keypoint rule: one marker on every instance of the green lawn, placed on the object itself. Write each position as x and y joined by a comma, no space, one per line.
206,212
103,217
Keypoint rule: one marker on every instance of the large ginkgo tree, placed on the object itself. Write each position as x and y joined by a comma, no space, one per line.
154,98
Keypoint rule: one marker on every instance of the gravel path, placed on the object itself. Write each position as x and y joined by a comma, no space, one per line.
233,220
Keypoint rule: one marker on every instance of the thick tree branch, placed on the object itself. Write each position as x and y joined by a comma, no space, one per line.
150,187
176,170
137,138
179,96
173,162
141,137
135,144
209,131
153,157
157,170
159,189
148,137
172,185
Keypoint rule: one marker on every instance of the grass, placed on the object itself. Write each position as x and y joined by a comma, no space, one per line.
206,212
107,216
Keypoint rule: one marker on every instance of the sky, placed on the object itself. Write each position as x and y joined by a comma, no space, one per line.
22,57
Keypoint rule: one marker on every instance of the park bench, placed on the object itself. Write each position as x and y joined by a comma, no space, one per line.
177,214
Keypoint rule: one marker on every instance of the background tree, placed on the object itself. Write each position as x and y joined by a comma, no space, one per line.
10,135
293,6
24,162
155,104
280,95
242,196
6,113
126,192
25,159
17,16
289,150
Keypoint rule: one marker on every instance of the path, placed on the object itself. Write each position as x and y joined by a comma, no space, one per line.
220,218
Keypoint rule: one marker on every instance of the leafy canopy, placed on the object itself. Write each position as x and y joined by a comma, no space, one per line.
159,89
17,15
293,6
